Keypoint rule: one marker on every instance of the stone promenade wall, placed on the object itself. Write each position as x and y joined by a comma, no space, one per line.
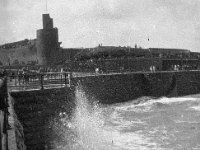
129,86
3,114
36,110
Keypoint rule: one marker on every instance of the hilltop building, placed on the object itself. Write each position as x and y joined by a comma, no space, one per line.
46,50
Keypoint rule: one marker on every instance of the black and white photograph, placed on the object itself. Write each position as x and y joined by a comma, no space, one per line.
99,74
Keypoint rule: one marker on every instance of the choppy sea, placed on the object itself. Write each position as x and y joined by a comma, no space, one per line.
151,124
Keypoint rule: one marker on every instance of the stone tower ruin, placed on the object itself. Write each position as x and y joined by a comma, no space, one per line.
47,42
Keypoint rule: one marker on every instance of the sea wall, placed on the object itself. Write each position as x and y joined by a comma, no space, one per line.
37,110
114,88
188,82
3,114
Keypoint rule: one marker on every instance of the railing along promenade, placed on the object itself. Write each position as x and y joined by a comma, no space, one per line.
31,81
34,81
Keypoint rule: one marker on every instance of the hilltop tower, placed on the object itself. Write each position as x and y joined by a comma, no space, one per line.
47,42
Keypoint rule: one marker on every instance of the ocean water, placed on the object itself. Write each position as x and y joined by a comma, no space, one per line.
152,124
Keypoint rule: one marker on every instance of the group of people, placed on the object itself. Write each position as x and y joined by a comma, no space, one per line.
3,73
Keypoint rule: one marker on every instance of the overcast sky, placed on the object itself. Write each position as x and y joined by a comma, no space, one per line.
86,23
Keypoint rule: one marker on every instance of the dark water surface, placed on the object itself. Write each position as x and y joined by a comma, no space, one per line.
153,124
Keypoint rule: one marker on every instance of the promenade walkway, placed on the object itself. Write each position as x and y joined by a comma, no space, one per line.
38,81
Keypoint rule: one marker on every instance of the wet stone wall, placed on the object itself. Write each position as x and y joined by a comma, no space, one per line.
37,110
129,86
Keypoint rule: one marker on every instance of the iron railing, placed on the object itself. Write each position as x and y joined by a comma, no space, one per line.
31,81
